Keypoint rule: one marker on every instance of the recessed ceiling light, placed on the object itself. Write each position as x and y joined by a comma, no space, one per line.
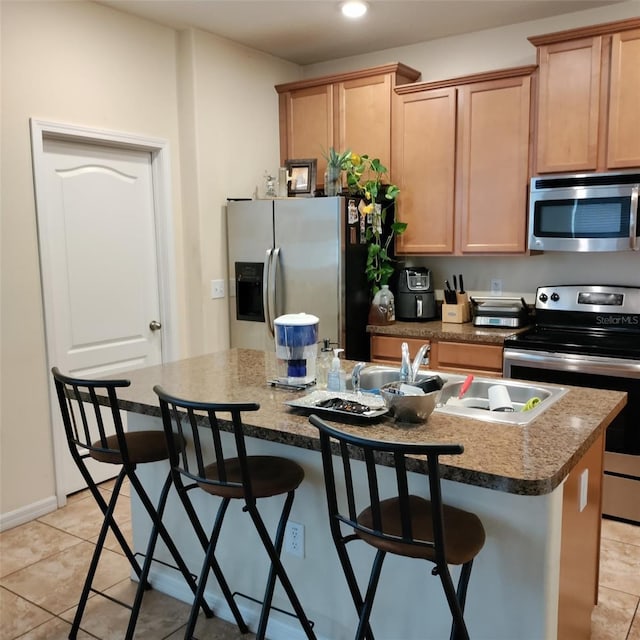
354,8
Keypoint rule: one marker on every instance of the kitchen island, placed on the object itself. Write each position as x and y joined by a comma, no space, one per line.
521,481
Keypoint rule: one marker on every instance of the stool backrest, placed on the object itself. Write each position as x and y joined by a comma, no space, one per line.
351,451
90,411
185,417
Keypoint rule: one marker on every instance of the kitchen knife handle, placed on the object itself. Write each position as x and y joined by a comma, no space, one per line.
461,283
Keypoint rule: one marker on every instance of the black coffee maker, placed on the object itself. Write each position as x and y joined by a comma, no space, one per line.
415,299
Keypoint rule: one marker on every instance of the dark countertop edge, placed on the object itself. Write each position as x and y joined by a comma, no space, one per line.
516,486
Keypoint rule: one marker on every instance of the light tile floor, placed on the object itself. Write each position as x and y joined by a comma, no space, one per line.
43,564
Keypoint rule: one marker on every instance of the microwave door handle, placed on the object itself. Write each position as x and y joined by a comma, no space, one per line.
634,218
265,292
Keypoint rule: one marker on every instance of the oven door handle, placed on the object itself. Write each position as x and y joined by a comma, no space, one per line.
591,365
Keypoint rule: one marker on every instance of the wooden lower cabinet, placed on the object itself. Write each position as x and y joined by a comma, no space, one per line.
388,349
456,357
580,545
467,357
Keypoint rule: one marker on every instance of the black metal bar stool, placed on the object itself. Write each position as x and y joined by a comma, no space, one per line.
405,525
87,415
240,476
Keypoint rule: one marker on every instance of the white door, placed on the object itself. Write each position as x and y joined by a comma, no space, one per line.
97,231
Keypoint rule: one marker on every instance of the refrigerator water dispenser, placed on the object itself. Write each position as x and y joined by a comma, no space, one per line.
249,301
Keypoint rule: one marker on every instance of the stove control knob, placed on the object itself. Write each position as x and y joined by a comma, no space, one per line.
542,297
555,297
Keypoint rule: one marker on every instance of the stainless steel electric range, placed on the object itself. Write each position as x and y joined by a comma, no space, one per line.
589,336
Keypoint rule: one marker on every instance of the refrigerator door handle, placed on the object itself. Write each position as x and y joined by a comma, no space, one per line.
273,279
265,292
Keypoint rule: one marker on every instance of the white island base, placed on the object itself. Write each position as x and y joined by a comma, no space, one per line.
513,592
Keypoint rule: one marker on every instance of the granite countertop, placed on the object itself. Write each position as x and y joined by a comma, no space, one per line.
437,330
530,460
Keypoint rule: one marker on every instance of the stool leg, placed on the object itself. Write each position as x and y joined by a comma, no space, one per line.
107,522
459,628
124,545
160,529
461,594
365,611
279,571
209,545
350,576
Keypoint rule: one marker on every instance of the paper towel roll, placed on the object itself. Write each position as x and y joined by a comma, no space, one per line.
499,399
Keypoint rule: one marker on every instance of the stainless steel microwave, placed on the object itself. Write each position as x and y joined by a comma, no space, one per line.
584,212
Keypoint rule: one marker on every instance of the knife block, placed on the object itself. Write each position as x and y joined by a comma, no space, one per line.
458,313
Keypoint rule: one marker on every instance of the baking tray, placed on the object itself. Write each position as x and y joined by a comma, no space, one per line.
309,403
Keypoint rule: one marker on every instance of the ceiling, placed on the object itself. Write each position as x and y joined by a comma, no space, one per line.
311,31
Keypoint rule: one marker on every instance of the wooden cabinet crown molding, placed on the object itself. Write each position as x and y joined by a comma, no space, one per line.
591,31
485,76
404,73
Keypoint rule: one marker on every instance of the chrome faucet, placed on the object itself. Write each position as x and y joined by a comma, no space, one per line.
405,367
355,376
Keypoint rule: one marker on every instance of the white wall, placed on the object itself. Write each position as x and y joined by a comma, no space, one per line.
89,65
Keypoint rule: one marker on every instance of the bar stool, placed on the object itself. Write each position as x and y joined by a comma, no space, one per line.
405,525
240,477
89,408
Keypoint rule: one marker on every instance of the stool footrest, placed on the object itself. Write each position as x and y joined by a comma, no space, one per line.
261,602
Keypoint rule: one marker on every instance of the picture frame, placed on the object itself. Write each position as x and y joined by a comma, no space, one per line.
303,174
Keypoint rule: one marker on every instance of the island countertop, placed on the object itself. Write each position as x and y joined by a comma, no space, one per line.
524,460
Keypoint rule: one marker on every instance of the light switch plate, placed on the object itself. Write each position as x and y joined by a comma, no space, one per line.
217,289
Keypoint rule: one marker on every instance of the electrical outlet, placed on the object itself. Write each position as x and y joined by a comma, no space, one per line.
217,288
294,539
496,286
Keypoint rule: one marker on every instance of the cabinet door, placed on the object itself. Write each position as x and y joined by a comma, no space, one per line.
424,139
306,125
493,165
362,117
388,349
623,148
568,105
466,357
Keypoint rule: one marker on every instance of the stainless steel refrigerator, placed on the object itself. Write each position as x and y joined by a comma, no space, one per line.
295,255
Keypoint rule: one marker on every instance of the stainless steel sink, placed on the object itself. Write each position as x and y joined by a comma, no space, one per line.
375,376
475,403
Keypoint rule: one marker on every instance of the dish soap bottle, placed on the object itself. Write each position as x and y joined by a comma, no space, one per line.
324,364
336,378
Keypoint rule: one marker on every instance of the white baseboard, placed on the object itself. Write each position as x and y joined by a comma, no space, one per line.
280,626
28,513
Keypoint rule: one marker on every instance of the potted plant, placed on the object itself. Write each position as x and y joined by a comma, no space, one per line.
365,178
336,164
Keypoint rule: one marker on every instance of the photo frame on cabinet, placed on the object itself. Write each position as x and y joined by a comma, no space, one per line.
303,176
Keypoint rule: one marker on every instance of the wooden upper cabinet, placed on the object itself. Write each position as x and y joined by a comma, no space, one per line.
424,140
362,116
588,92
461,160
306,124
623,149
493,165
568,105
345,111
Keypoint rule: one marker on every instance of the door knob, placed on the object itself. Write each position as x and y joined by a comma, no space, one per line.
154,325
